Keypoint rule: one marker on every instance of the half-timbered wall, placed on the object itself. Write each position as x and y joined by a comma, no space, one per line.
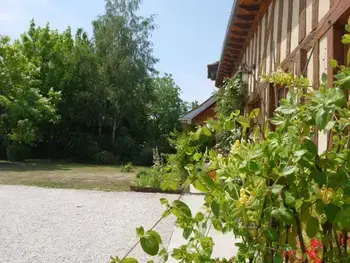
293,35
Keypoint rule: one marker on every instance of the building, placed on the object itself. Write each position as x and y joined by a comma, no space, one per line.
298,36
201,114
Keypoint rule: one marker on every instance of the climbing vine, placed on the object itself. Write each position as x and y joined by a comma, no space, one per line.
232,96
285,199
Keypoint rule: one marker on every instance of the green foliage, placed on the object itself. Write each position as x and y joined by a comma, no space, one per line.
189,146
232,96
74,96
150,178
24,107
17,152
127,168
285,199
105,157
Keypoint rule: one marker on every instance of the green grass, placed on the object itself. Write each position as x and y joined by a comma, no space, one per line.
66,175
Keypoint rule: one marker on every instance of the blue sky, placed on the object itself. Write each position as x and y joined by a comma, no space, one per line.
189,36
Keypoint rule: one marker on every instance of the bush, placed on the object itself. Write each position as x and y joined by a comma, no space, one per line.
189,147
127,168
84,148
105,157
150,178
145,156
17,152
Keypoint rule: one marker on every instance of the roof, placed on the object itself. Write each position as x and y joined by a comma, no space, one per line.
212,70
244,18
188,117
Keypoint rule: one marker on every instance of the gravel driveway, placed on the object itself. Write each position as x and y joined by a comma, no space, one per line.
58,225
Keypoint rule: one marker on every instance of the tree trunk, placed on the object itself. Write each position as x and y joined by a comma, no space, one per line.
114,129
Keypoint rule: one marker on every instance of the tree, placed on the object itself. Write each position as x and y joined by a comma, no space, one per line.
23,107
126,59
165,109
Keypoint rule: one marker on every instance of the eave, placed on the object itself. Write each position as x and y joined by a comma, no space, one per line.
244,19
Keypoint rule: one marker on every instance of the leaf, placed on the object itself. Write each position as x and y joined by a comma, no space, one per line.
311,146
347,28
277,258
300,153
199,186
286,109
130,260
342,220
206,132
289,170
289,199
333,63
276,121
284,215
312,227
243,121
187,232
319,177
272,234
215,207
276,189
197,156
180,209
140,231
321,119
149,245
254,114
164,201
155,235
331,211
324,77
329,126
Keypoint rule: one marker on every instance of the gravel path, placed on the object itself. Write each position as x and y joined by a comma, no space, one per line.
58,225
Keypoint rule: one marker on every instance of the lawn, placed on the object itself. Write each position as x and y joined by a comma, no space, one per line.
66,175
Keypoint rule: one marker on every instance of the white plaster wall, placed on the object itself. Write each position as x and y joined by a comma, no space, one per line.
286,13
323,8
322,137
263,43
310,67
322,142
275,30
308,16
323,56
268,53
295,25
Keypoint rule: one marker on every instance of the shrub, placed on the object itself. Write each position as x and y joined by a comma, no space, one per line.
150,178
17,152
190,147
105,157
127,168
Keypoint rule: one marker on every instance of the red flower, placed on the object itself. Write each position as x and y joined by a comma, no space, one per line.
315,244
312,254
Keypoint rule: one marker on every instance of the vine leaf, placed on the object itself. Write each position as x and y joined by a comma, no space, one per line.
215,207
277,258
284,215
140,231
289,170
150,243
180,209
130,260
331,211
312,227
